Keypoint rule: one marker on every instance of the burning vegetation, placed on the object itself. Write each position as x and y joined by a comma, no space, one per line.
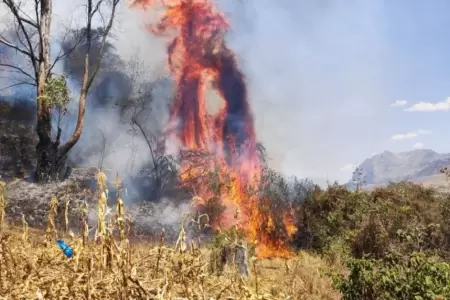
224,143
65,265
64,240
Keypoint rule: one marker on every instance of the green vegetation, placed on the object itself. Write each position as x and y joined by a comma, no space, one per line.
389,243
413,276
394,240
57,93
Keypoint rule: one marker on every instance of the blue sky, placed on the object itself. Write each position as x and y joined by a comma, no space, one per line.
322,75
420,39
421,75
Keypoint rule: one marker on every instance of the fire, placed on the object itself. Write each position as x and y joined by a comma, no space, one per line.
221,156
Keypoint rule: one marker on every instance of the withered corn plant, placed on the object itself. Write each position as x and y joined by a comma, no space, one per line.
25,234
2,204
110,267
66,217
50,232
84,223
102,196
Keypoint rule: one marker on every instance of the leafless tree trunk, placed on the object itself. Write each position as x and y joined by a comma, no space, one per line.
358,178
137,111
156,157
51,155
162,166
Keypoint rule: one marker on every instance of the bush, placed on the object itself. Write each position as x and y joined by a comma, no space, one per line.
415,276
402,217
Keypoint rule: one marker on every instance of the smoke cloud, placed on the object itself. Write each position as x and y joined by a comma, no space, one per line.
316,72
314,69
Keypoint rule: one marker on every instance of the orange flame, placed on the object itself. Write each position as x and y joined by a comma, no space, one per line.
198,55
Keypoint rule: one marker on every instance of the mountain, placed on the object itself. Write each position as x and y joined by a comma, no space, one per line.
415,165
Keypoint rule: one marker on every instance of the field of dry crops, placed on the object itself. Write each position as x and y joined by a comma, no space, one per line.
108,266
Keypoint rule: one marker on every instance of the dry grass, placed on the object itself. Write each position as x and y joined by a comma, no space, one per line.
109,267
2,204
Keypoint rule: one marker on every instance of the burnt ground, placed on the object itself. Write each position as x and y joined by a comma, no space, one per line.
32,201
17,140
17,161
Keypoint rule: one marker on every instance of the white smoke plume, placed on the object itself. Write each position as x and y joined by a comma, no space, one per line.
143,56
314,69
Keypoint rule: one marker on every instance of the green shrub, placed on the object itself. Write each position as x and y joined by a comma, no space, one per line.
416,277
401,217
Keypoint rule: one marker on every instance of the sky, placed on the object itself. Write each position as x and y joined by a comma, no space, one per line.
330,82
334,82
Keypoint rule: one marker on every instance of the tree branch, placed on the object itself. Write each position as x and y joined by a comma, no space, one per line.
17,48
144,134
28,21
88,78
105,35
15,11
18,69
17,84
61,55
36,12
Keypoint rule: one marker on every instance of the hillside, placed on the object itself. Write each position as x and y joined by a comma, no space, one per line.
420,166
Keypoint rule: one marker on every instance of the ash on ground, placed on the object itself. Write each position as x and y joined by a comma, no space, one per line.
32,200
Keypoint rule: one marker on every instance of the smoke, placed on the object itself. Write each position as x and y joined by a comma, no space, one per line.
165,213
314,69
317,73
129,72
162,215
133,82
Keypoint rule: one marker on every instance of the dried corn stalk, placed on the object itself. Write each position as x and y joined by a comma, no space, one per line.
85,226
66,216
102,193
120,214
50,232
2,204
181,241
25,227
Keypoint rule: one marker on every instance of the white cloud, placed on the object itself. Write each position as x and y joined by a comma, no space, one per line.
430,107
418,146
404,136
348,167
410,135
399,103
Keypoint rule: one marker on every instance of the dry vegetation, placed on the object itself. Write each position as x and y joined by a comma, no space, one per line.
394,242
32,266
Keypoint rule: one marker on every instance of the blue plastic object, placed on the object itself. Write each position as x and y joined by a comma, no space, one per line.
68,252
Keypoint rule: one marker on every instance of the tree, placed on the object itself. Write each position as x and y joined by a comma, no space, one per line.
162,167
137,109
358,178
112,83
34,43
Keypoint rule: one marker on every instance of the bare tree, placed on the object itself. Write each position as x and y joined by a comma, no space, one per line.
104,152
162,166
34,44
358,178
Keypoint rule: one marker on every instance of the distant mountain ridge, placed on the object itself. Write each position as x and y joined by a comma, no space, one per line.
412,165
